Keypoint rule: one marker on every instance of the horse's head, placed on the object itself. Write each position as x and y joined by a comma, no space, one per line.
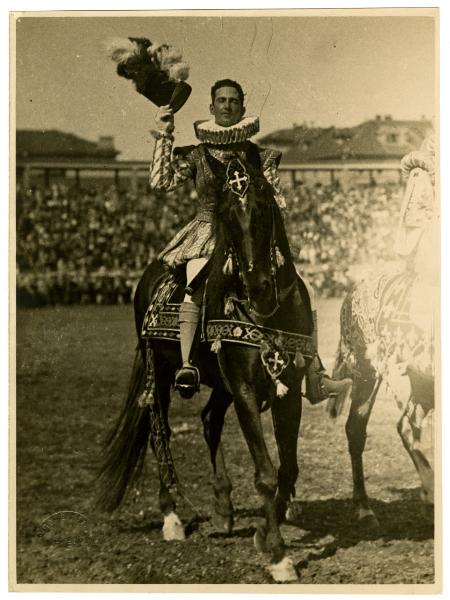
245,227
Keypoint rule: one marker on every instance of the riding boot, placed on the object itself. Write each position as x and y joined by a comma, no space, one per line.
187,379
320,386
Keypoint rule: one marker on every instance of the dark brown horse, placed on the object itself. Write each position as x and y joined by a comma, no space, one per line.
251,279
382,339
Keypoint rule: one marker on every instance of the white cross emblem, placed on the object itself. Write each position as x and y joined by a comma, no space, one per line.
275,361
237,178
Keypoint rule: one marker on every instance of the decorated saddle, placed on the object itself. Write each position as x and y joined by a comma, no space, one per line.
384,310
277,347
161,322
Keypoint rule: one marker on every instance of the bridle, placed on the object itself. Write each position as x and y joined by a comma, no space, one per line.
280,294
280,297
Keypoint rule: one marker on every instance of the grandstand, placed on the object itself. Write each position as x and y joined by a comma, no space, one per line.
90,244
88,224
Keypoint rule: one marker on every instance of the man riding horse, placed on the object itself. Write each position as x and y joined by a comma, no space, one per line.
221,161
233,258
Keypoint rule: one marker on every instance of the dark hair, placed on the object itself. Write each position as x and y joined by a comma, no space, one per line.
227,83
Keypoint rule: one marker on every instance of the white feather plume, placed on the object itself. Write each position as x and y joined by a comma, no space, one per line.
179,71
120,49
170,56
162,56
154,48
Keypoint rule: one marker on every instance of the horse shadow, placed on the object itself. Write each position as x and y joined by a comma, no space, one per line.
326,526
322,526
399,519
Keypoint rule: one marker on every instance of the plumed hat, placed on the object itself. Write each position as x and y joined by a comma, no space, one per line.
157,70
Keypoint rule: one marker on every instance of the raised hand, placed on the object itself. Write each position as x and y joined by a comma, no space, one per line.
164,119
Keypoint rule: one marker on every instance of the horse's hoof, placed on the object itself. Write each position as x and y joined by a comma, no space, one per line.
367,519
259,539
223,523
173,529
283,571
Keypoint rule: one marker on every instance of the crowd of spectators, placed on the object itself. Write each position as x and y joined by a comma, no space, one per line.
332,230
90,245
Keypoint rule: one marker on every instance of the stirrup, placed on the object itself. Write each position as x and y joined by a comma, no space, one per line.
187,381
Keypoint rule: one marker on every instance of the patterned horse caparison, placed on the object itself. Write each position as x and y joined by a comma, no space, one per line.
381,340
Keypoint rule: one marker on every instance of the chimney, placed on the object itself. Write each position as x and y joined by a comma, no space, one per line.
377,117
106,143
388,118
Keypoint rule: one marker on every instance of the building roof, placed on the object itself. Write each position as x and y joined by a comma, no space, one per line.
296,135
375,139
46,143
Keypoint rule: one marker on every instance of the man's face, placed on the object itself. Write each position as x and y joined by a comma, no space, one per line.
227,107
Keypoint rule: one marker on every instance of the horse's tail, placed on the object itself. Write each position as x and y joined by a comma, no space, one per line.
126,445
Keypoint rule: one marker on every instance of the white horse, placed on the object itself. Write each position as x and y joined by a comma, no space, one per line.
388,330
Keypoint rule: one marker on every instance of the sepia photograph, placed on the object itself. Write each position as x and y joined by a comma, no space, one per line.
225,317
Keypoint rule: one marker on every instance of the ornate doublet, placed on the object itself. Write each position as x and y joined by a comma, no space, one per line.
171,168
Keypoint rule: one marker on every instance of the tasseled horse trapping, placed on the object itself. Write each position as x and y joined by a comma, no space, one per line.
279,258
228,266
229,306
275,362
299,359
158,430
216,345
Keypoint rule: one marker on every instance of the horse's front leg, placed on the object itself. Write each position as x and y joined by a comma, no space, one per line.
363,397
411,429
213,418
248,384
286,416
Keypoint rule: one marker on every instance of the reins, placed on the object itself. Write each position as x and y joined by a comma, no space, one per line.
280,295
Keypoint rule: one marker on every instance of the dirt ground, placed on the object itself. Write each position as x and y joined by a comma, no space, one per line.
73,365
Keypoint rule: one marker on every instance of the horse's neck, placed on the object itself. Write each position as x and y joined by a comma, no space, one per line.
294,313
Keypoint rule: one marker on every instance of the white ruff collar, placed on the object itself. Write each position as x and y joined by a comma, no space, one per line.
211,133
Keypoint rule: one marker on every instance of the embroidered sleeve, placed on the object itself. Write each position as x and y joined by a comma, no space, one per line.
168,171
270,161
